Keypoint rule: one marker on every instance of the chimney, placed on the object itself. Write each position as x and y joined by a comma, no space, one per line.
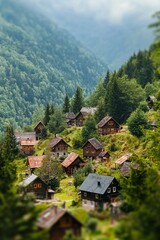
99,183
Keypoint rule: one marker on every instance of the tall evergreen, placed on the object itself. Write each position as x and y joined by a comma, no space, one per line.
66,105
106,79
78,100
47,114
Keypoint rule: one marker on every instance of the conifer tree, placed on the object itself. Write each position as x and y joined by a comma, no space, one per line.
101,110
106,79
89,128
66,105
47,115
77,101
56,123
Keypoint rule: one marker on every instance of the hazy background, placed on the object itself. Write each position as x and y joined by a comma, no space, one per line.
113,30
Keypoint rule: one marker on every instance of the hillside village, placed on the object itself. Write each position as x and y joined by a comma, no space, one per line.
79,143
107,159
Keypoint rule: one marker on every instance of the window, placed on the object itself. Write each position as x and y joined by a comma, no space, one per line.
108,190
85,194
35,185
96,196
114,189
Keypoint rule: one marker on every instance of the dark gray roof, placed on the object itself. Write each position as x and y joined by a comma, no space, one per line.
70,115
28,180
95,143
126,167
95,183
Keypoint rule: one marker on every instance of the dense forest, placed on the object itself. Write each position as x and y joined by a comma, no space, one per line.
39,63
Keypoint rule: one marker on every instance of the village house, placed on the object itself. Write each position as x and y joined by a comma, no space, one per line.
92,148
82,115
104,156
27,147
108,126
58,221
34,162
70,119
34,184
38,128
72,162
98,191
59,147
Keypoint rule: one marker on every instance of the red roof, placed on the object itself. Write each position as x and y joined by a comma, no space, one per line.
35,161
72,157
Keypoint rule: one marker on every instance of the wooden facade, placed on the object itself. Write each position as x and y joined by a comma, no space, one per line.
108,126
59,147
98,191
92,148
27,147
58,221
70,119
33,184
38,128
72,162
82,115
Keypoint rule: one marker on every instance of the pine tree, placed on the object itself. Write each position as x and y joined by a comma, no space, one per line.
101,110
89,128
106,79
56,123
77,101
66,105
47,115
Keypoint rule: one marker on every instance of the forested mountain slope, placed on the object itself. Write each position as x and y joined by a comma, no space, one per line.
38,62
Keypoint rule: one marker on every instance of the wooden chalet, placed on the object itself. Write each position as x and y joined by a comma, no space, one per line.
92,148
38,128
27,146
34,162
108,126
58,221
98,191
72,162
104,156
34,184
59,147
70,119
125,158
81,116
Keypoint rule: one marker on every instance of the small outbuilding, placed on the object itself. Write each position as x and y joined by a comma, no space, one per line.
59,147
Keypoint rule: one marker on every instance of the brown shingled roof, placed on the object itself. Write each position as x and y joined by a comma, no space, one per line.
95,143
35,161
103,153
123,159
55,141
25,135
38,124
105,120
70,115
51,215
72,157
